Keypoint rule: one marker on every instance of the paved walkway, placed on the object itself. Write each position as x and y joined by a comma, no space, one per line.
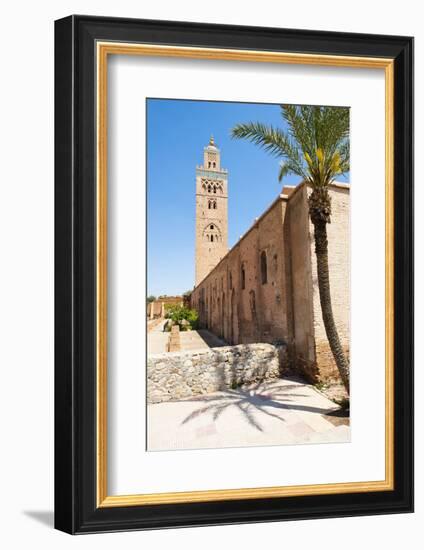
190,340
282,412
199,339
157,340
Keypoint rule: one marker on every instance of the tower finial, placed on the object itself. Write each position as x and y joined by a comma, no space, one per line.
211,141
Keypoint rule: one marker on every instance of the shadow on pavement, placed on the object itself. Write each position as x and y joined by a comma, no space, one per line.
256,398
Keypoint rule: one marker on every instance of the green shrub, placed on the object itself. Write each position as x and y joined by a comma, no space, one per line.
181,313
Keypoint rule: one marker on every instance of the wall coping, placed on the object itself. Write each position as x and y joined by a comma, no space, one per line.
205,351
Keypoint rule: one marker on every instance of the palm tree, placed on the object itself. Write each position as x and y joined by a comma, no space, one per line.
315,147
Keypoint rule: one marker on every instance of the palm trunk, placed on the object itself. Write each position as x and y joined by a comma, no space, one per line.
321,250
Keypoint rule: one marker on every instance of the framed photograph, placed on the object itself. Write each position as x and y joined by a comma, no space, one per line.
234,274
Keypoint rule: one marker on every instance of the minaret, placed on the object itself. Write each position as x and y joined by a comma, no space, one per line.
211,212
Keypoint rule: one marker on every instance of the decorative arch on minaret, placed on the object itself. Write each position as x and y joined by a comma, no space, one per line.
212,233
212,187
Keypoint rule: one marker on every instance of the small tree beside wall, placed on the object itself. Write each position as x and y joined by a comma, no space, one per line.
186,318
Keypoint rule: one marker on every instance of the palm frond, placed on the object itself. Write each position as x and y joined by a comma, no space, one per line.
314,145
284,170
272,140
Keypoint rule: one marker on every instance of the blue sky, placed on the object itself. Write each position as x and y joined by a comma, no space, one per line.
177,131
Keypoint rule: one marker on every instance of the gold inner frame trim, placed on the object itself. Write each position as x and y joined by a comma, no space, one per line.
104,49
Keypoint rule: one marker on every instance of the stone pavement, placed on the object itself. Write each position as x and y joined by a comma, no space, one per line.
280,412
189,340
157,340
199,339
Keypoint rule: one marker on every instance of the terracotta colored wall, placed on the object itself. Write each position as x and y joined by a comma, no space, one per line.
256,313
302,286
285,308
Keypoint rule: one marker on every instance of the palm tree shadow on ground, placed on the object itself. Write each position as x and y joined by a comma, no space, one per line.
256,398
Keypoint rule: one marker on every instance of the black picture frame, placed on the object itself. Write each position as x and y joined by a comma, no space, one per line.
76,510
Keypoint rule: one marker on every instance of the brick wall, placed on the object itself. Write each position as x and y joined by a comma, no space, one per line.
284,307
338,232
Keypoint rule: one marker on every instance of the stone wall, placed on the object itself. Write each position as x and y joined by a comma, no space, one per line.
178,375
